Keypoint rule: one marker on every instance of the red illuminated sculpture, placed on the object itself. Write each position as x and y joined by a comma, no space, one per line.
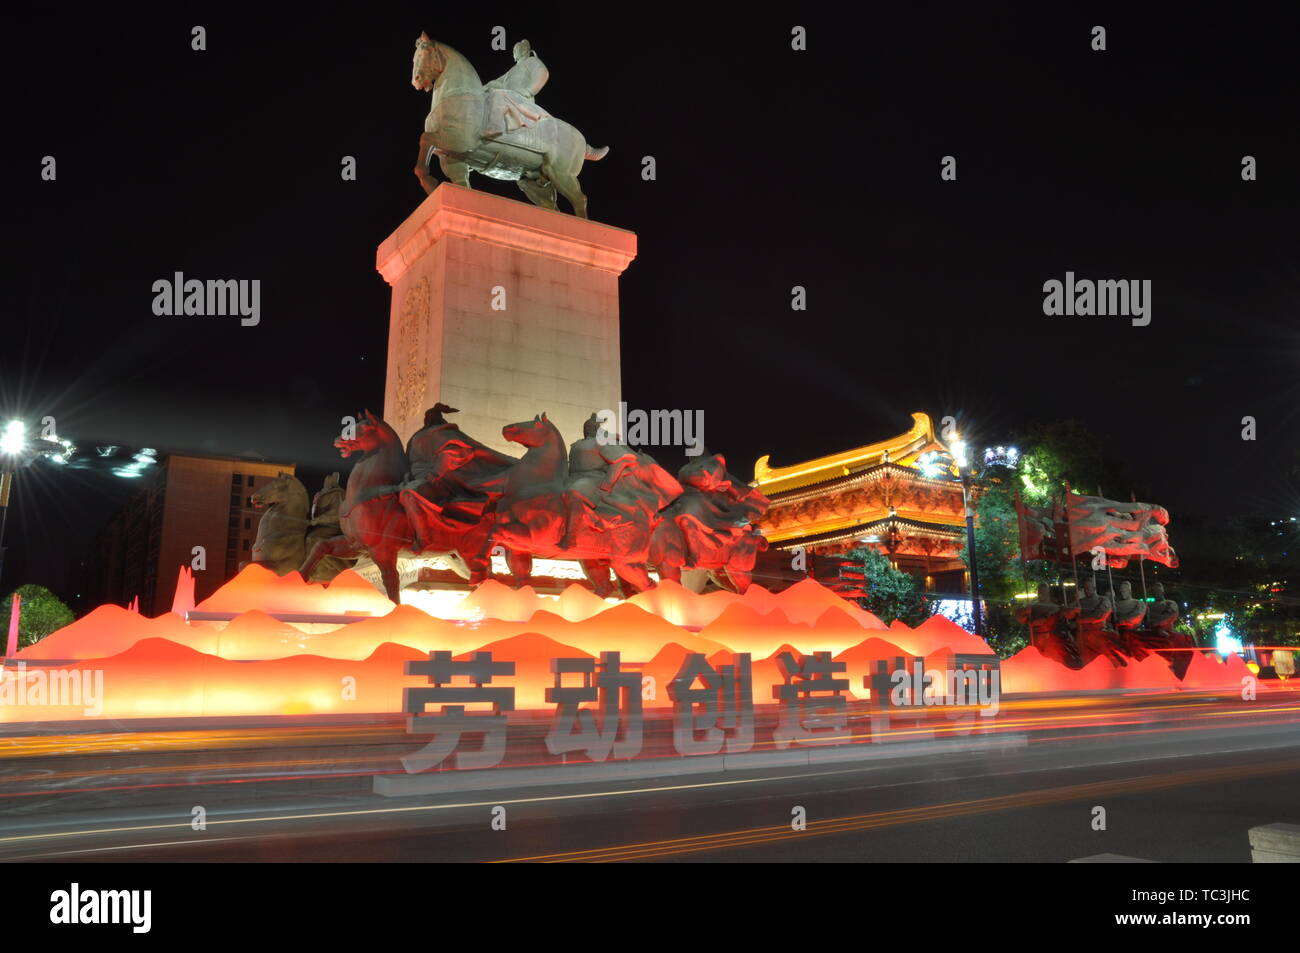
614,520
711,525
606,505
374,520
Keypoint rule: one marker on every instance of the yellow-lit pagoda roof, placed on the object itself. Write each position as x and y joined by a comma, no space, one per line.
902,450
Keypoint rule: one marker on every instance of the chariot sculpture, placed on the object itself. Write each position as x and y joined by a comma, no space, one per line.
608,506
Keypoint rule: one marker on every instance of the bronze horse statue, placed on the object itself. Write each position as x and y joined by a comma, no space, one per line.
710,526
373,520
531,517
291,526
465,131
447,493
281,542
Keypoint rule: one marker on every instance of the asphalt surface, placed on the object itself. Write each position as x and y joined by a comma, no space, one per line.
1179,780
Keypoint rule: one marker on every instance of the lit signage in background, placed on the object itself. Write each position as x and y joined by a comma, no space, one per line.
1225,643
958,611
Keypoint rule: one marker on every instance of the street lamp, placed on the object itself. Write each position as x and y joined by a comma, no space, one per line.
13,443
993,457
957,447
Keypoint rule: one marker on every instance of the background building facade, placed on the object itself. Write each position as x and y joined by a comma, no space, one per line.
189,501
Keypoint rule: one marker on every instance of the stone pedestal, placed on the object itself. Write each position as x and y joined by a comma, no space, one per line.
503,310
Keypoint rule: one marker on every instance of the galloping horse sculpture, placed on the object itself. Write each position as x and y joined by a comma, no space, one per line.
281,540
290,526
496,130
710,526
533,515
606,505
374,520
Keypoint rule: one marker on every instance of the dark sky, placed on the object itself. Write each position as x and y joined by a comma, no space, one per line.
775,168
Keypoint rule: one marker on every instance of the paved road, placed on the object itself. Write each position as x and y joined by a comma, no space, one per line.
1177,786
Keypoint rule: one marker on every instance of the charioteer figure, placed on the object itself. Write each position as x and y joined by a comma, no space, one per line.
325,505
610,485
453,478
711,526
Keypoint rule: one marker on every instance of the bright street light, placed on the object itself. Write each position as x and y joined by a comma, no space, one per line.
14,439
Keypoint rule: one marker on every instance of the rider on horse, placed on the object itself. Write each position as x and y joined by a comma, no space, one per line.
453,478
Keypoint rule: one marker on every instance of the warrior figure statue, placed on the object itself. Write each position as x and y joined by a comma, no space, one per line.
1094,636
611,484
1128,616
1161,635
711,525
1047,632
325,506
453,481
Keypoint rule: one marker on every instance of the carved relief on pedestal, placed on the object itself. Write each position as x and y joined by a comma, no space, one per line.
412,362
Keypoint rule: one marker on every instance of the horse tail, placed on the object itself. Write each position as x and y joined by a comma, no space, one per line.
592,155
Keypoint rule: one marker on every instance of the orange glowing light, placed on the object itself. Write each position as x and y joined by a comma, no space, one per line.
257,664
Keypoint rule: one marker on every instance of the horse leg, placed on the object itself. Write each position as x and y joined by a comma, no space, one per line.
455,170
539,194
475,548
739,579
386,560
521,566
422,164
334,546
567,185
634,576
597,572
479,566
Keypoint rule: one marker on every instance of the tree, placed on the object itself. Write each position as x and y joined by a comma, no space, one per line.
891,593
997,559
40,613
1058,452
997,543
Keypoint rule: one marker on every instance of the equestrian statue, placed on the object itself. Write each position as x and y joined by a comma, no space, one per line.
497,129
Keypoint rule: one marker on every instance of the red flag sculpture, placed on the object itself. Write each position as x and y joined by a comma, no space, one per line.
1122,530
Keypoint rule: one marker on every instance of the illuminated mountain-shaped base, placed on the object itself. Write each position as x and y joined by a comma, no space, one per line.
258,664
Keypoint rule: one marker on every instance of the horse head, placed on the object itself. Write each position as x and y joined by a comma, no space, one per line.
531,433
369,436
285,488
427,65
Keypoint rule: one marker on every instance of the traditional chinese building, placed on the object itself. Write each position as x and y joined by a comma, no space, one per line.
874,496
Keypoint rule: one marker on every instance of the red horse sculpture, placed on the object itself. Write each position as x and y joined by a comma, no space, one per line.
374,521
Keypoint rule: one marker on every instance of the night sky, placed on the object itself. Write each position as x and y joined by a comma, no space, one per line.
775,168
